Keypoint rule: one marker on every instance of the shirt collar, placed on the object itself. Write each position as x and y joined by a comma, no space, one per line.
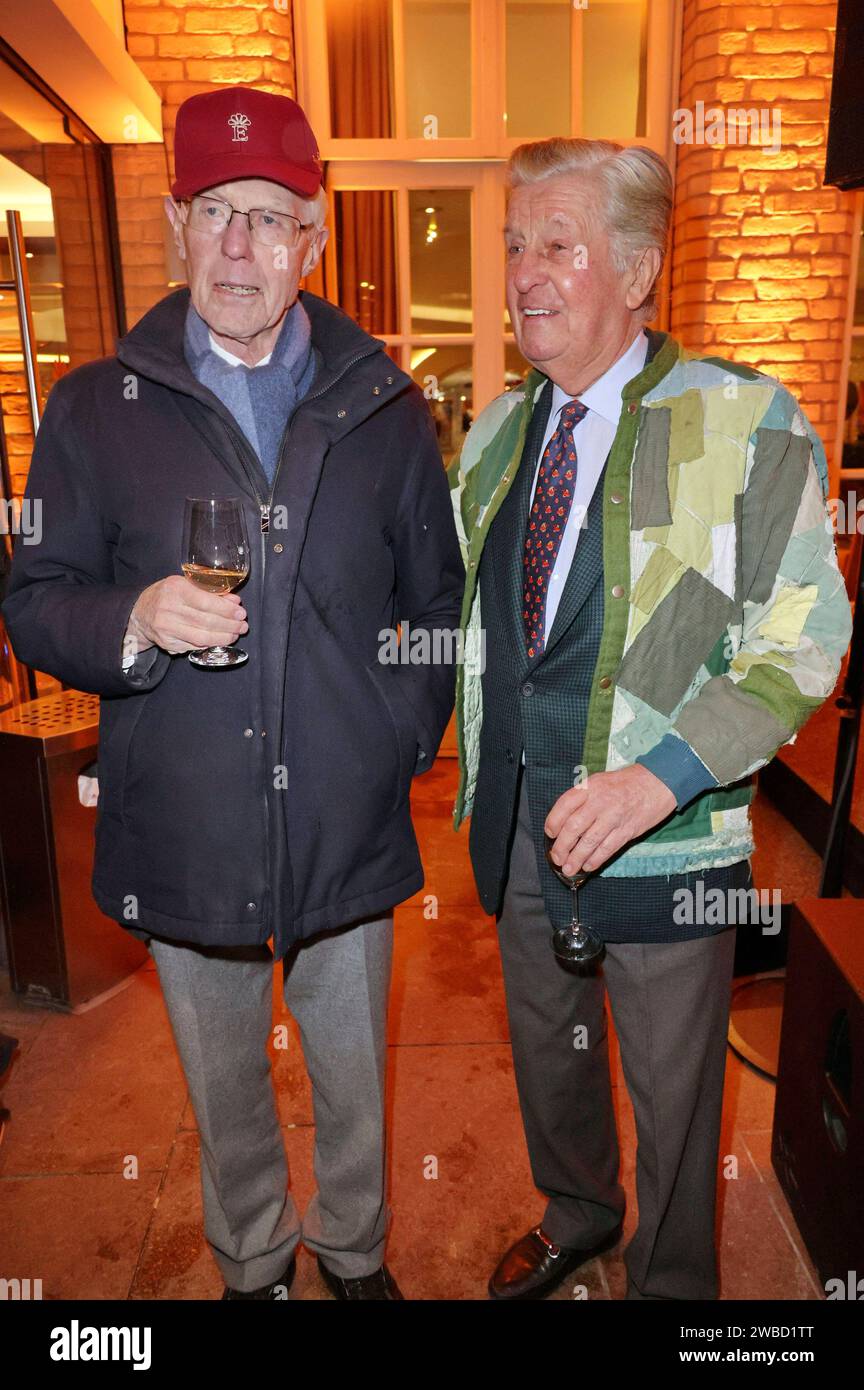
236,361
603,396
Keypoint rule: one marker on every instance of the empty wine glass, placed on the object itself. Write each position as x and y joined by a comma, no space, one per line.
216,550
576,944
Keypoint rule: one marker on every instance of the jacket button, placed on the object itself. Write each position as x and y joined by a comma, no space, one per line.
527,688
248,733
251,907
340,414
376,390
615,497
604,682
617,590
278,548
389,380
632,407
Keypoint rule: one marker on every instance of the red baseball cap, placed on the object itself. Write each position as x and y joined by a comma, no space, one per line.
243,133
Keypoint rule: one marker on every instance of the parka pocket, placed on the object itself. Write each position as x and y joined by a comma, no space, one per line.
403,727
116,729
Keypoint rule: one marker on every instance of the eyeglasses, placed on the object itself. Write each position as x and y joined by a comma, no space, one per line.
213,215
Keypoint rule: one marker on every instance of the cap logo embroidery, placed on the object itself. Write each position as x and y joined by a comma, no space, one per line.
240,125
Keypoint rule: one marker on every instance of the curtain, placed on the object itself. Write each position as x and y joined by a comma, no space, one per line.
366,257
359,46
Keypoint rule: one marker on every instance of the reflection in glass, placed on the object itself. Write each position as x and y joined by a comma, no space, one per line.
52,177
360,60
614,58
437,68
440,239
538,67
446,377
365,237
32,198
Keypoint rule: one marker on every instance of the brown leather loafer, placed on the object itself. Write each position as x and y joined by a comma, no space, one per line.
380,1285
534,1265
276,1290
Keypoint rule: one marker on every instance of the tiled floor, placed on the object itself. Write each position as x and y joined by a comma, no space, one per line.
102,1094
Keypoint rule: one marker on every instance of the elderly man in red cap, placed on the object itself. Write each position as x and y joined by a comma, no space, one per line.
269,798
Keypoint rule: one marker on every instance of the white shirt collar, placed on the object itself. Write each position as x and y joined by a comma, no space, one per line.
603,396
236,361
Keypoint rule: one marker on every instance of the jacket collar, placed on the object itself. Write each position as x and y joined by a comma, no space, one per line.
154,349
663,352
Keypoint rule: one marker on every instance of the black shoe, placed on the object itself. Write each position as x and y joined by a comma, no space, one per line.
535,1265
380,1285
275,1290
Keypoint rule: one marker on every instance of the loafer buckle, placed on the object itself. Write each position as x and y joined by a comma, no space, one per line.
554,1250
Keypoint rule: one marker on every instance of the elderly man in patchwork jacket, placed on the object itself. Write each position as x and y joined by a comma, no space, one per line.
652,583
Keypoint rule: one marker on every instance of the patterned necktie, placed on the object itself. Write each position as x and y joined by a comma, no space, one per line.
553,498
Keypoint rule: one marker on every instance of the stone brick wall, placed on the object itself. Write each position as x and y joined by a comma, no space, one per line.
762,253
183,47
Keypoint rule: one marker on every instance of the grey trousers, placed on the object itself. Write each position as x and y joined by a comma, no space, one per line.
219,1001
670,1005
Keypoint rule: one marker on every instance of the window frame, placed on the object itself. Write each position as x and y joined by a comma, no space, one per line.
489,138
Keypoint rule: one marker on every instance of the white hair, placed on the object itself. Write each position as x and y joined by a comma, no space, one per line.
634,187
316,208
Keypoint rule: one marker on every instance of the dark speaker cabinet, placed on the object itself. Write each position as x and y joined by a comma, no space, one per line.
63,952
818,1138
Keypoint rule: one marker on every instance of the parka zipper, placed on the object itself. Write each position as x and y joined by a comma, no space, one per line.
265,509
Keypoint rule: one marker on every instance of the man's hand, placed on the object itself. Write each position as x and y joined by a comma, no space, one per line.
177,616
593,821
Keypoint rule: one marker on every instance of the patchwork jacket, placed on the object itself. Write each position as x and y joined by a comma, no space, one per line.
715,523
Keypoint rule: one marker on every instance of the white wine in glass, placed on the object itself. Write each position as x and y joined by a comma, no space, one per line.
216,559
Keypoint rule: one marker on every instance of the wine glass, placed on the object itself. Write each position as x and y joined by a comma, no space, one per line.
216,549
576,944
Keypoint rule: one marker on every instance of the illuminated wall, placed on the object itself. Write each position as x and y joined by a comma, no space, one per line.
762,252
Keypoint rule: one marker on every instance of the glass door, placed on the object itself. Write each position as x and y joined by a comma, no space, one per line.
60,304
415,258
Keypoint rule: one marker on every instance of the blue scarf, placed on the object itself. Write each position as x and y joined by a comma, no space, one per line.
261,399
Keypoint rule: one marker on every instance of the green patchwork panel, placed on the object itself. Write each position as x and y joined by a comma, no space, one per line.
658,667
779,691
780,461
650,506
708,486
687,434
660,572
729,730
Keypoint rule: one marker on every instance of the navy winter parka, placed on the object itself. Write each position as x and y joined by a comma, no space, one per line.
271,799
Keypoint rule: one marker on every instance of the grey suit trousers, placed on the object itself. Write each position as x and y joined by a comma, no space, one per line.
670,1005
219,1001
